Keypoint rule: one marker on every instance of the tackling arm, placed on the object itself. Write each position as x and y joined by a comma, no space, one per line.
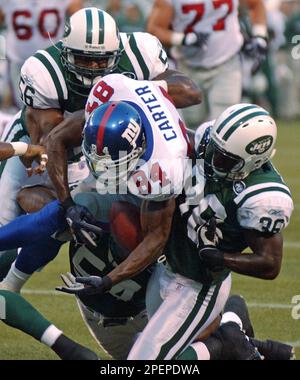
68,134
183,90
40,122
265,262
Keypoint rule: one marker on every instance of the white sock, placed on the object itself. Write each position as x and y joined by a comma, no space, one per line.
51,335
14,280
230,316
201,351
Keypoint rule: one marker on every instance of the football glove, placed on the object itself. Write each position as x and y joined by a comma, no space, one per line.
83,225
84,286
212,257
208,236
256,48
196,39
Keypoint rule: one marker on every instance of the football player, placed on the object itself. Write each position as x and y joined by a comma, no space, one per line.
149,128
205,40
56,82
238,201
190,267
31,25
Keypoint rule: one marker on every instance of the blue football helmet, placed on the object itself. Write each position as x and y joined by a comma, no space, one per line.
113,141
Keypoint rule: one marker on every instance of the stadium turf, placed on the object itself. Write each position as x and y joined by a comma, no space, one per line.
270,301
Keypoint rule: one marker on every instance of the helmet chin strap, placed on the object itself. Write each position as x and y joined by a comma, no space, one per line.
272,154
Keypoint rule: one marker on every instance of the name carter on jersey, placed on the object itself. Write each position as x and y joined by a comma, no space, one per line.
158,116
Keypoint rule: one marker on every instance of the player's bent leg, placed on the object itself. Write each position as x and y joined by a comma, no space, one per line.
28,229
116,337
6,260
33,232
187,310
229,342
16,312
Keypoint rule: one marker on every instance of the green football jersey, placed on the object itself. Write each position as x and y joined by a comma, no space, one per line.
43,77
261,202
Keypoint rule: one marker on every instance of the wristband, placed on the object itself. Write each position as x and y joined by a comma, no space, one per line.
177,38
20,148
260,30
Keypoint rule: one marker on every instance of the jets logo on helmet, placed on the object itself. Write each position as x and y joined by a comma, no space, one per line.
113,141
242,140
260,145
90,48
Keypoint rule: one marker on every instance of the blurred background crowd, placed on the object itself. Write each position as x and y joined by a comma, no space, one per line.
276,85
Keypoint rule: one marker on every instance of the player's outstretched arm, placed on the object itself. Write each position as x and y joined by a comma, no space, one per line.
183,90
28,152
6,151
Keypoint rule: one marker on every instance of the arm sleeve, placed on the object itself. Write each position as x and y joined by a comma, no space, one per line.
38,89
153,54
266,212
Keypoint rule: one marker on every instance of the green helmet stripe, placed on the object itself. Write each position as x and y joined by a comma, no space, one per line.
233,115
235,126
89,26
139,57
101,27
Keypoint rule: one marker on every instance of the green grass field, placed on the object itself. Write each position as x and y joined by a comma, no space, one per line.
269,301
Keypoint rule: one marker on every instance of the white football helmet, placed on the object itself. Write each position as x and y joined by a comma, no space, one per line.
90,47
242,140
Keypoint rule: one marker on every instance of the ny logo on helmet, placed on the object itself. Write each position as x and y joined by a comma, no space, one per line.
132,132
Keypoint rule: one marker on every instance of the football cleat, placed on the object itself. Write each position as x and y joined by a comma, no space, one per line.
67,349
236,304
235,344
274,350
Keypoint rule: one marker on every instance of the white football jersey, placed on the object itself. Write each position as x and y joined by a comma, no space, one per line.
30,23
159,173
217,18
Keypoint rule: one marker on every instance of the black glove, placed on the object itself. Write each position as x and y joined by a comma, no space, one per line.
208,237
196,39
84,226
85,286
256,48
212,257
